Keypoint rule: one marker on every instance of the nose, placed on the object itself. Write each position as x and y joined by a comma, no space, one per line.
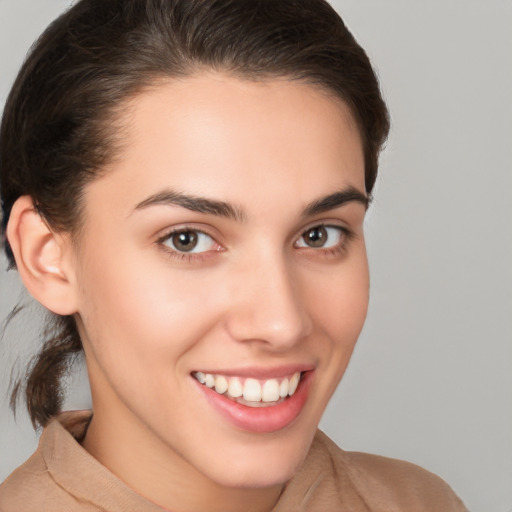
268,305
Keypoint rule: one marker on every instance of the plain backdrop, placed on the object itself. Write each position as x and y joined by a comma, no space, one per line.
431,378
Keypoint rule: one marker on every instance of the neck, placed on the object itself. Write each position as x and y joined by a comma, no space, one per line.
162,476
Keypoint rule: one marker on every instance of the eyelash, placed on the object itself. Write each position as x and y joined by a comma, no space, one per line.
198,257
329,252
188,257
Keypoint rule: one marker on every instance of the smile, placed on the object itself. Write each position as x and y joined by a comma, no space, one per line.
251,392
255,404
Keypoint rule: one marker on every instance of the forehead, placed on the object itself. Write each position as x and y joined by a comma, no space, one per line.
223,136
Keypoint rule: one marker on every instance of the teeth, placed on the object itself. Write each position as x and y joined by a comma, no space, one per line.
252,390
294,382
209,380
235,388
221,384
270,391
283,388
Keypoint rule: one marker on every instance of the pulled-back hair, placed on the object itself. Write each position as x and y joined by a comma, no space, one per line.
59,124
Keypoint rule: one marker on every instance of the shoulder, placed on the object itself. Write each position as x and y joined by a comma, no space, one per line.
390,484
19,485
62,476
32,486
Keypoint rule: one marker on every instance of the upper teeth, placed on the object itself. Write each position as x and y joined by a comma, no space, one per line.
252,390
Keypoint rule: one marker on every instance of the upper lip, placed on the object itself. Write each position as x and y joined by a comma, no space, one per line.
261,372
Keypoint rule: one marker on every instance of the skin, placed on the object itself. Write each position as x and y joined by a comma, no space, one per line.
255,296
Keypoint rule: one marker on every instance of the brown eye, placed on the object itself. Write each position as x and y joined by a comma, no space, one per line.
184,241
315,237
321,237
189,241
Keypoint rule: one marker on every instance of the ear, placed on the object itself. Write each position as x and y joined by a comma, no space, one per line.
43,258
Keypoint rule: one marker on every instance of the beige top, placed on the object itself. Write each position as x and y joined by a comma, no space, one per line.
62,476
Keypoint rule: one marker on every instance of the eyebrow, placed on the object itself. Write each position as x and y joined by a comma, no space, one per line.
223,209
193,203
332,201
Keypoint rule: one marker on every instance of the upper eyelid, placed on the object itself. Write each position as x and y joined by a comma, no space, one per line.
345,233
192,255
325,224
167,233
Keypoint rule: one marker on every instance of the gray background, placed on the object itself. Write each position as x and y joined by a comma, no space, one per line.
431,378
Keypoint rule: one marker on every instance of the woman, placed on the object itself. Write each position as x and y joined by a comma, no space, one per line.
184,185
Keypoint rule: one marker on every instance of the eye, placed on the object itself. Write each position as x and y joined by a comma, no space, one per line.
189,241
321,237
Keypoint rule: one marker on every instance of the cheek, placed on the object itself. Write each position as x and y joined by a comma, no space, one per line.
341,301
139,325
340,306
142,309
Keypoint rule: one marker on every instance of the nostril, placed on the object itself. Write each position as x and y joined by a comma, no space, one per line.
267,306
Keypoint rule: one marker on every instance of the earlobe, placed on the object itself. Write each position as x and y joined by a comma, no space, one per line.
42,258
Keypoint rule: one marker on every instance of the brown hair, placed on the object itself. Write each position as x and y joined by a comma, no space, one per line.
58,128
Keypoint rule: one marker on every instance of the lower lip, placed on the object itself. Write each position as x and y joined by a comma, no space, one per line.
261,419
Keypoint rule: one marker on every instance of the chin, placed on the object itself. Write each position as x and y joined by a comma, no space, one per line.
252,477
260,466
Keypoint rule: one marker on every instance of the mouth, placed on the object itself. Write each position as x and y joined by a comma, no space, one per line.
255,404
251,392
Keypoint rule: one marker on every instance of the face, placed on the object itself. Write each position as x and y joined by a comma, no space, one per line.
222,277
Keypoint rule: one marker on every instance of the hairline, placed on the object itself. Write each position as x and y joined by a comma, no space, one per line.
116,119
